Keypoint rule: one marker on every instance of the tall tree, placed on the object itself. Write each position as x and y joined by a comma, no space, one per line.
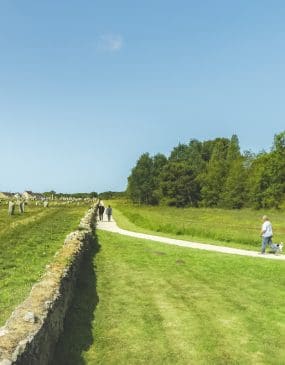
266,183
258,181
141,182
234,191
233,152
233,194
277,170
178,184
159,161
213,180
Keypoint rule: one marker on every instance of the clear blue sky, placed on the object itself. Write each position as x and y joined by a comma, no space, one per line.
87,86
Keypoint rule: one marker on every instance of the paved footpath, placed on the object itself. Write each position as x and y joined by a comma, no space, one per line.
112,227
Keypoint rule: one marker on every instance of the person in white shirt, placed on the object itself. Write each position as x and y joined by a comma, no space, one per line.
266,233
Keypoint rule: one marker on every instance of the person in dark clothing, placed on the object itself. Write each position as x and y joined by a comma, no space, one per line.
101,209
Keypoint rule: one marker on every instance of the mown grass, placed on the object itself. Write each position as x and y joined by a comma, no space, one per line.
236,228
155,304
27,243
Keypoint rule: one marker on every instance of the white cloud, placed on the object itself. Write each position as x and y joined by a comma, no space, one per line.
110,42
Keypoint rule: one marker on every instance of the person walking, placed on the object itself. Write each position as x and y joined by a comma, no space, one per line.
266,233
109,213
101,209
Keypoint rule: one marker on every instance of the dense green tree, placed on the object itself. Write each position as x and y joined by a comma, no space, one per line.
207,149
112,195
143,183
279,143
140,182
178,184
258,181
211,173
276,169
233,151
266,182
159,161
191,158
213,180
179,153
234,191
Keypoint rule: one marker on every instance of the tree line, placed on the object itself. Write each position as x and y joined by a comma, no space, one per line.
53,194
212,173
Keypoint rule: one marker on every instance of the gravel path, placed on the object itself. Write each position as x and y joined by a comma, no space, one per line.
112,227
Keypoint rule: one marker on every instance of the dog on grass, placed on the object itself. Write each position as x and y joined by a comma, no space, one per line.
276,247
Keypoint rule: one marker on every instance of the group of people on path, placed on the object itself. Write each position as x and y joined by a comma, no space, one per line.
102,210
266,229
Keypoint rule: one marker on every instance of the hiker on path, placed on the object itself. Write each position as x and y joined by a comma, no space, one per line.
266,233
109,213
101,210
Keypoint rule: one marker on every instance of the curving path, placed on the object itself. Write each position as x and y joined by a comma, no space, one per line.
112,227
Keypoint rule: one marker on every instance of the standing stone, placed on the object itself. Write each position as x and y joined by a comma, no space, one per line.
11,208
6,362
45,204
21,207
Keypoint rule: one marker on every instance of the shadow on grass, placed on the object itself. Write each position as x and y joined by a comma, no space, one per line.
77,336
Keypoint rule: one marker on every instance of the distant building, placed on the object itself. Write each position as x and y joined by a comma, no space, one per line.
6,196
29,195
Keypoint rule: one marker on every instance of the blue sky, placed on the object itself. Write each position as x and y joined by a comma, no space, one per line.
88,86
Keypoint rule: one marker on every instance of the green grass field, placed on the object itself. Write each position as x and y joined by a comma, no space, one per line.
236,228
27,243
139,302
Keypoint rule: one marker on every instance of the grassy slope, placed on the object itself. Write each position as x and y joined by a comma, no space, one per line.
156,304
27,244
236,228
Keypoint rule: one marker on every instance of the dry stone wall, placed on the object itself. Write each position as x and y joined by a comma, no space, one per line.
30,334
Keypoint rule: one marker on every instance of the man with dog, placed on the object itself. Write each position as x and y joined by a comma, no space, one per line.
266,233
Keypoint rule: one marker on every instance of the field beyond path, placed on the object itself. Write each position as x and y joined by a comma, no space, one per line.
113,227
215,226
28,243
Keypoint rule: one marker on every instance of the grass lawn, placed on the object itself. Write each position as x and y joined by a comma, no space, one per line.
235,228
139,302
27,243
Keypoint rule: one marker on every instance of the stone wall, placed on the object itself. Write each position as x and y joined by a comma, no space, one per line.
30,334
